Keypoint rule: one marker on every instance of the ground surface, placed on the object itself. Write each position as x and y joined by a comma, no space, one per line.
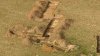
82,32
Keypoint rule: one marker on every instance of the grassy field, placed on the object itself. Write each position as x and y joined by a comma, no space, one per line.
82,32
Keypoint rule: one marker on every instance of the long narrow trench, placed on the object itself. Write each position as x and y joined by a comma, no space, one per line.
45,34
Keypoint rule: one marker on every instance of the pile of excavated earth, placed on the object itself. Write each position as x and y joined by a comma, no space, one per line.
51,38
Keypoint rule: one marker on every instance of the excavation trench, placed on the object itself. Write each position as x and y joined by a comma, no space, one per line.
38,9
44,9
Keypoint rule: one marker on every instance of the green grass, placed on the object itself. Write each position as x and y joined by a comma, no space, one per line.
82,31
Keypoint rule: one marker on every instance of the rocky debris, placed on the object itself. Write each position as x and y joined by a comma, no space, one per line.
18,30
71,48
50,36
53,34
53,30
57,47
28,36
47,48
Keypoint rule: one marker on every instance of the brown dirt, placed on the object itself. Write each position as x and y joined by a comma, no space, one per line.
18,30
47,48
53,30
50,12
26,42
38,9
